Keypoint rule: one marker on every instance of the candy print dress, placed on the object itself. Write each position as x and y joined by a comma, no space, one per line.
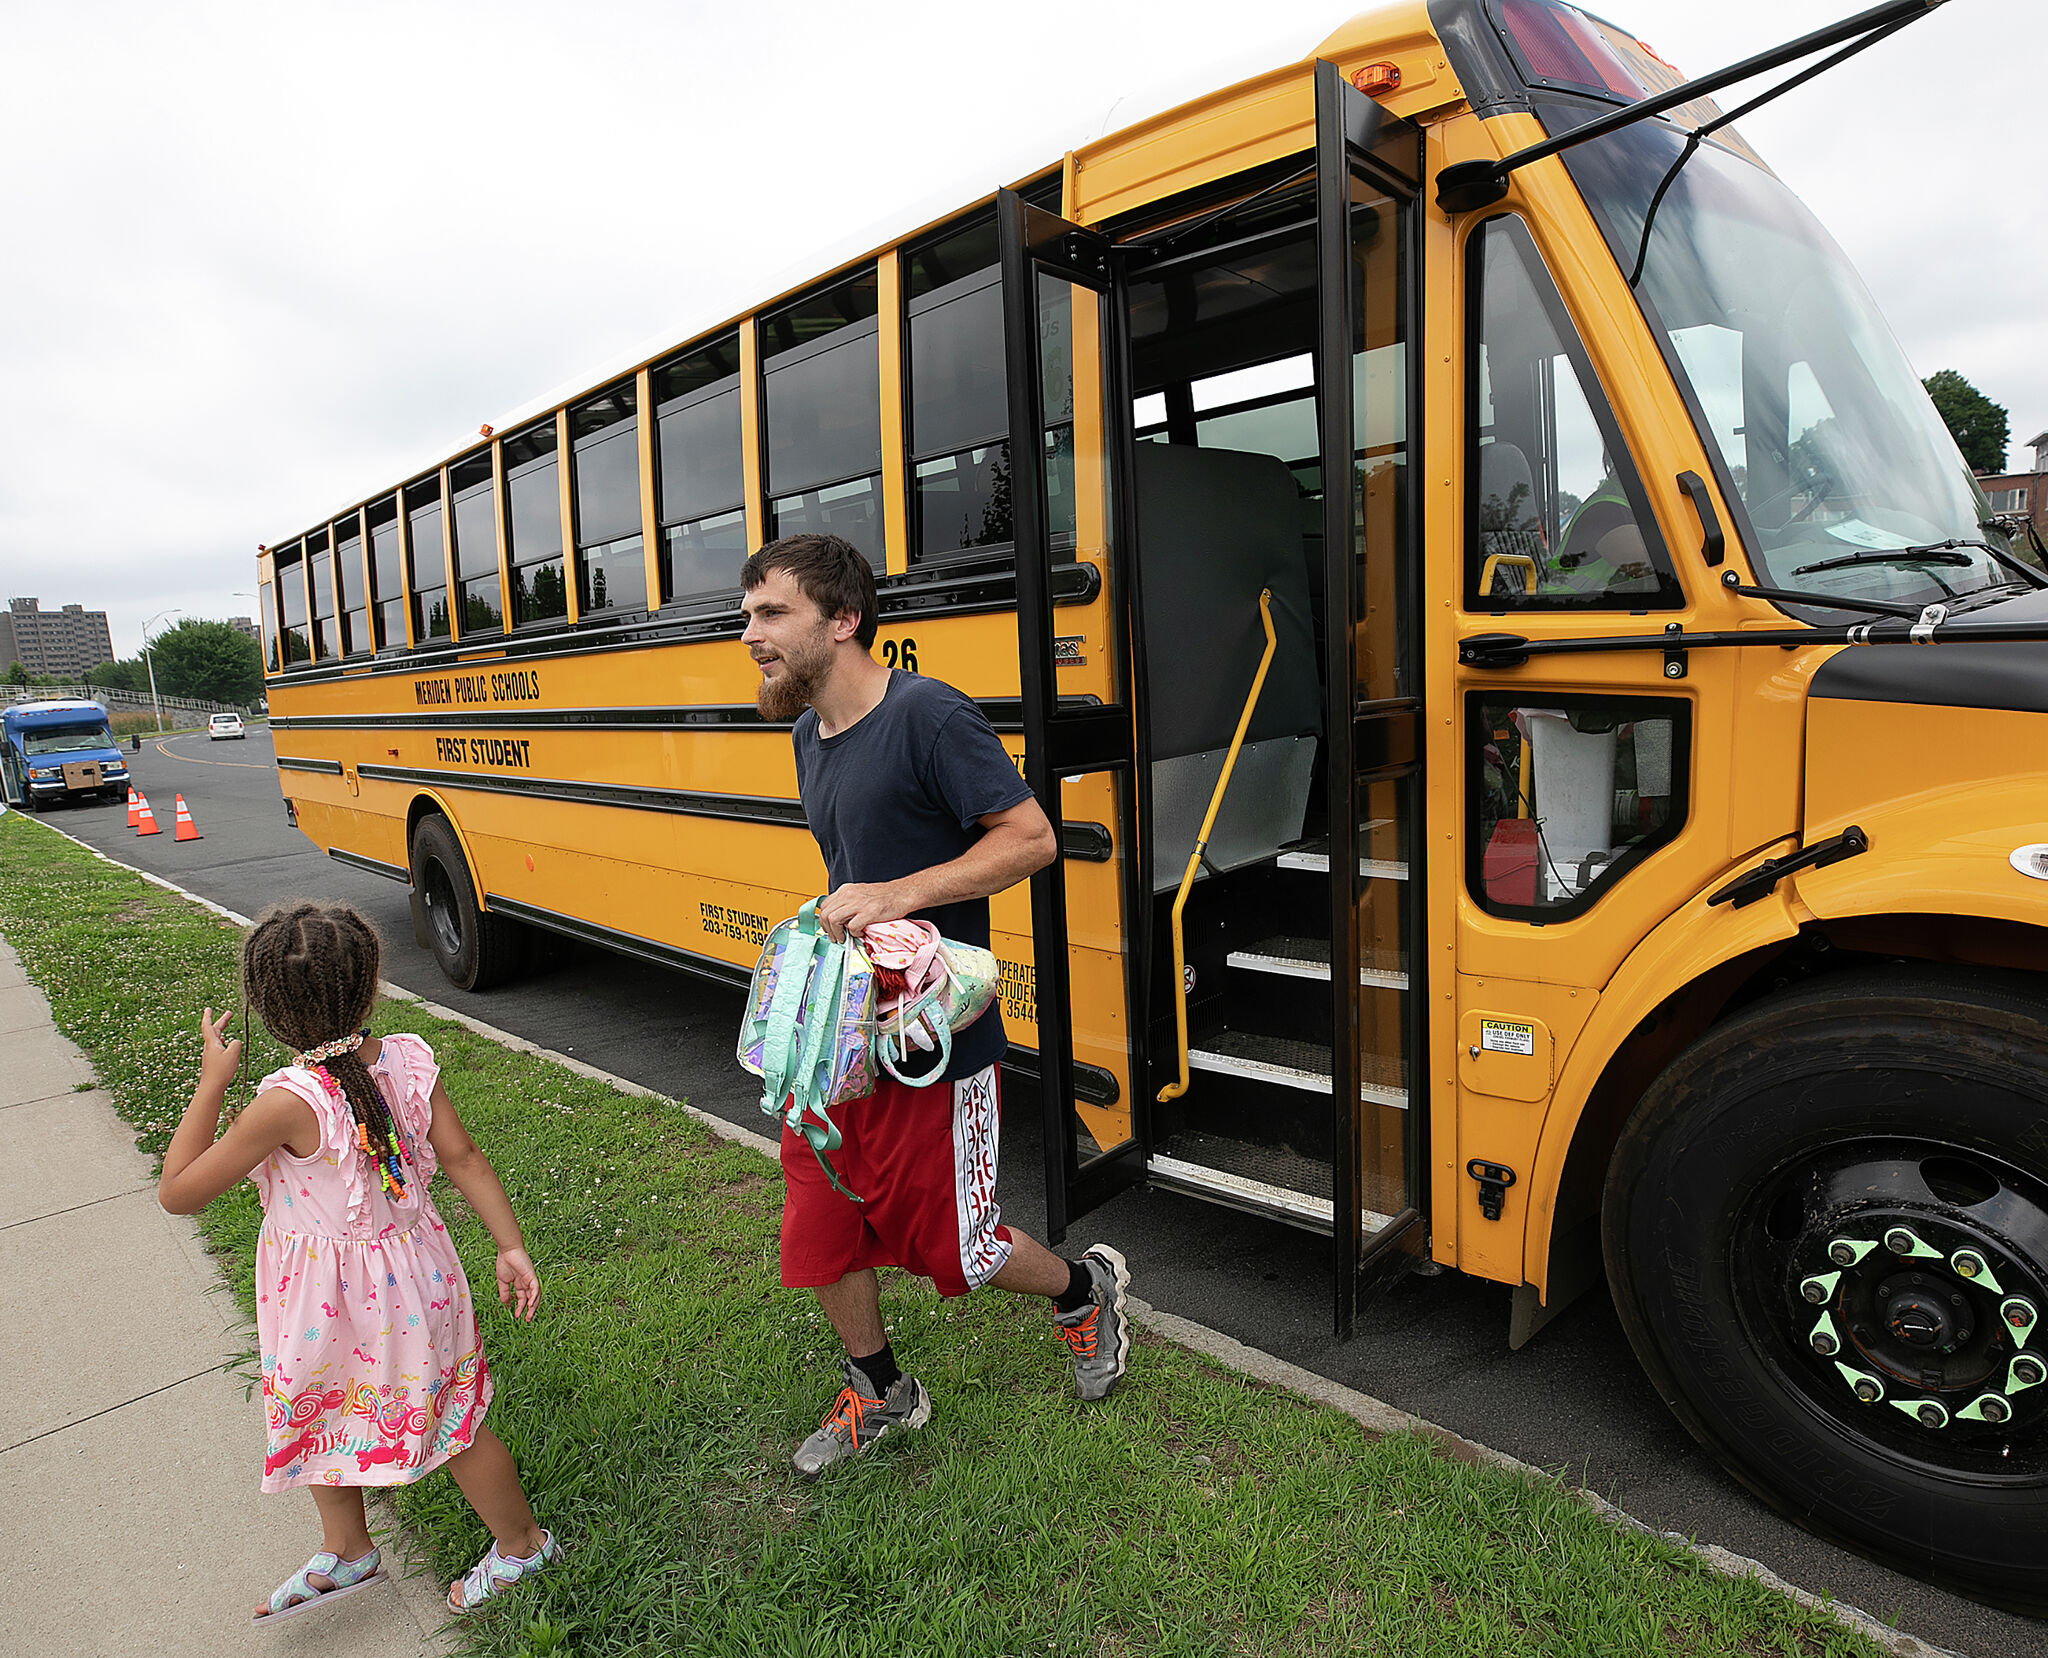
372,1371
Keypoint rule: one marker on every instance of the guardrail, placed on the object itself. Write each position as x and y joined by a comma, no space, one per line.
116,700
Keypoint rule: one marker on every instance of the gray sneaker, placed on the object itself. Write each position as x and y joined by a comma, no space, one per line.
1098,1334
858,1420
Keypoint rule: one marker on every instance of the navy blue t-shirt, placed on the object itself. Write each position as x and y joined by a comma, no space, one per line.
902,789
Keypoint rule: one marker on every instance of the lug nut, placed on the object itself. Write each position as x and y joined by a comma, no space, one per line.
1992,1408
1824,1343
1931,1415
2029,1370
2018,1313
1814,1290
1967,1262
1868,1389
1900,1241
1842,1252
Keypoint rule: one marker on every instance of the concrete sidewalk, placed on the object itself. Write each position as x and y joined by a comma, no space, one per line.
129,1456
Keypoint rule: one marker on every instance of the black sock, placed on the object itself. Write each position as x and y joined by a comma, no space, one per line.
1080,1286
880,1370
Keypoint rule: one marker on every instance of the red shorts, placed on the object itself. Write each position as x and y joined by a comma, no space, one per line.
925,1161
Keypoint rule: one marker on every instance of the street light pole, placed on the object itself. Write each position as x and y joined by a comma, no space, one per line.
149,662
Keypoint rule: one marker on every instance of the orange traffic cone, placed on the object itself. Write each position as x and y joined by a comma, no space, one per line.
145,819
187,829
134,807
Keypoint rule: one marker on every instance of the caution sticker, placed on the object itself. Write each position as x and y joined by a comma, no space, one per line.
1504,1036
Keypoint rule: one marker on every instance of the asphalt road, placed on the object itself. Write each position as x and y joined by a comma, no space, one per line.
1571,1400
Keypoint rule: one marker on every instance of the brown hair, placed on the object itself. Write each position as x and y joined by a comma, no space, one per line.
829,570
310,974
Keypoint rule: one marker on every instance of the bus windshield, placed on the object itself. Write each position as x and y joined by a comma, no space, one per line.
66,739
1844,469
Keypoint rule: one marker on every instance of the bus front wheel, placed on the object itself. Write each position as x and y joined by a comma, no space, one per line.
475,948
1826,1228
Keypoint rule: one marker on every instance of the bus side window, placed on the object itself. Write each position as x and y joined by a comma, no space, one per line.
1555,516
387,587
1567,795
700,472
472,502
291,593
326,626
821,399
957,392
611,567
533,525
426,546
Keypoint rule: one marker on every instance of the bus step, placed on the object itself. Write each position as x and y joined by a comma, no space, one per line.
1313,856
1290,1064
1196,1165
1309,958
1274,1181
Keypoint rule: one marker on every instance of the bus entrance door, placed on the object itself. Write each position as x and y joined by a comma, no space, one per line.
1062,314
1368,170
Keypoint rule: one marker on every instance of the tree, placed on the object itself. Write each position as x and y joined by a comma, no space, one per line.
129,674
16,674
212,661
1979,426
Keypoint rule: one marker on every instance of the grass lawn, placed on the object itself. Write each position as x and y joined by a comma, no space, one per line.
654,1402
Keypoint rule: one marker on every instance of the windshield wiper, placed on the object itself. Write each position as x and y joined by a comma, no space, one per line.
1935,553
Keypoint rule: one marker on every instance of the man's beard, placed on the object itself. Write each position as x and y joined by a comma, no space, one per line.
790,692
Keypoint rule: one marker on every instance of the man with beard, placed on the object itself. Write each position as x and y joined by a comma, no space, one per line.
918,812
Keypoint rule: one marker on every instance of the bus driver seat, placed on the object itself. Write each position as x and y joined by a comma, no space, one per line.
1510,535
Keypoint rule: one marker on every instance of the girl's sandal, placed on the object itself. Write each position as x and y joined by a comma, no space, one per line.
496,1573
299,1594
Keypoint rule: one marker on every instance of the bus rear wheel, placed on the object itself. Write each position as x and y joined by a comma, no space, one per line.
475,948
1826,1228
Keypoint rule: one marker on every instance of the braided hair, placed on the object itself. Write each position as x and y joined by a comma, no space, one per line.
310,973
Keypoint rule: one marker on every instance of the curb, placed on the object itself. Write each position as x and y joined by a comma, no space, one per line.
1374,1415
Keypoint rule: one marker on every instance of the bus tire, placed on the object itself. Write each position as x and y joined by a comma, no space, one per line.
475,948
1842,1129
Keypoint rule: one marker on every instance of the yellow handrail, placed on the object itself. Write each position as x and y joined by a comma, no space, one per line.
1174,1090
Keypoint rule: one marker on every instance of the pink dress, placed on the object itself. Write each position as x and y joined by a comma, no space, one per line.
372,1371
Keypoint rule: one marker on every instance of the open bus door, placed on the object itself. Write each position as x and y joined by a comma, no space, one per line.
1273,1073
1069,455
1368,170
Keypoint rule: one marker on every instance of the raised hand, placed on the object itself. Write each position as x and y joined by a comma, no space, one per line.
218,1059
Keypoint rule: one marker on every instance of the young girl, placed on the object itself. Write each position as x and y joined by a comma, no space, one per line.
372,1371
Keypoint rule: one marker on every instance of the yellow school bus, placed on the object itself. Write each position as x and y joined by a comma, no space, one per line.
1452,544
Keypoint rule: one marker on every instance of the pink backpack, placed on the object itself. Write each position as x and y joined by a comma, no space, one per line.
926,988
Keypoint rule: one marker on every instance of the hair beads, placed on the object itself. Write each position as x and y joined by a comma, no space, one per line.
387,1155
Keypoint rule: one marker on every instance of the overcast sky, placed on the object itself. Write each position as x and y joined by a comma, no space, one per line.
262,259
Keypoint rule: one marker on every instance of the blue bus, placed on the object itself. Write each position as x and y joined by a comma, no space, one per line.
52,752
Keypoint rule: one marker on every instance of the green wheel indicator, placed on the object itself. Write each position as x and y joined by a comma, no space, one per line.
1903,1241
1820,1288
1971,1266
2027,1370
1986,1407
1868,1388
2020,1318
1929,1413
1823,1338
1846,1252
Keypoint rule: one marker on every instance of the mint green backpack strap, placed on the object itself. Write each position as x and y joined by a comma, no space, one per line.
808,1111
779,1068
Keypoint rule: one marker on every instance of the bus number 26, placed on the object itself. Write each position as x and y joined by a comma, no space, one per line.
905,658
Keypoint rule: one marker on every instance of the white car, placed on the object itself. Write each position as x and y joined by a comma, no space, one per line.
225,725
